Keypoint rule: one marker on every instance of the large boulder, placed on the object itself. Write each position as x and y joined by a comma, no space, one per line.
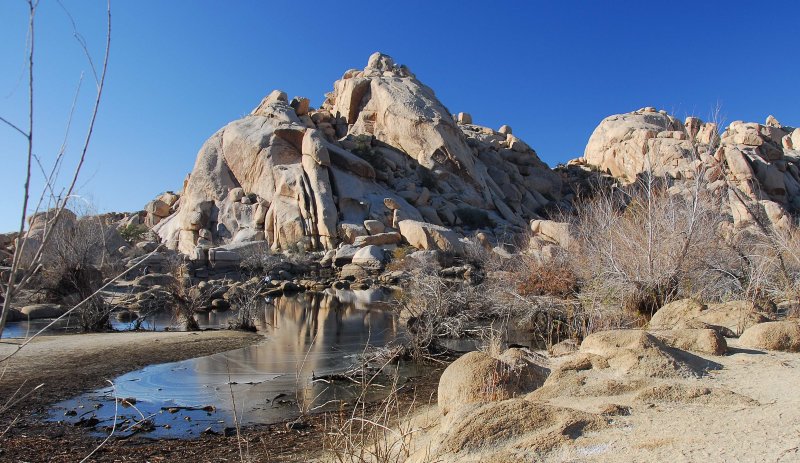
554,232
477,377
677,313
780,335
297,174
369,257
430,237
704,341
507,431
751,167
625,145
735,316
636,352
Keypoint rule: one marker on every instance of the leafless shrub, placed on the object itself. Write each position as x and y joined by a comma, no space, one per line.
637,248
374,433
434,307
266,262
75,262
246,302
768,263
184,299
552,278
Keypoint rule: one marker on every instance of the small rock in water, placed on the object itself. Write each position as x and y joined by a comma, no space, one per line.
209,432
127,402
88,422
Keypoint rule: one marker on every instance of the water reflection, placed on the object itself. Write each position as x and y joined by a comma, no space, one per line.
308,335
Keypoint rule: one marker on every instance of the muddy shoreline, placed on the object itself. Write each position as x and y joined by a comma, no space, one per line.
71,364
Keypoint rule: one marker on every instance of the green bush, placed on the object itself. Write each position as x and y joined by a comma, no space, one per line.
132,233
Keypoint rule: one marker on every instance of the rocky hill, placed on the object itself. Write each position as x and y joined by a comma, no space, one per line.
383,162
382,153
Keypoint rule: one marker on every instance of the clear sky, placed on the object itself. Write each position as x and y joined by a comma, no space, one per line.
181,69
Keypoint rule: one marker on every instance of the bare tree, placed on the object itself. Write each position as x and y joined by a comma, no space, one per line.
22,271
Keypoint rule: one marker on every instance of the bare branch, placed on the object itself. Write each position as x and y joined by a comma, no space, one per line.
22,132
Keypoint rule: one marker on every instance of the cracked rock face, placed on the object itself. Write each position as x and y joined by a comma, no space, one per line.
381,150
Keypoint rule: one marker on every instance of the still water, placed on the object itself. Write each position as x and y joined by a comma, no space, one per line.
307,336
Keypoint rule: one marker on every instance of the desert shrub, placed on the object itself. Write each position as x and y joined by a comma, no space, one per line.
363,148
371,432
133,233
246,303
265,262
435,307
75,258
767,263
185,300
552,278
639,247
398,261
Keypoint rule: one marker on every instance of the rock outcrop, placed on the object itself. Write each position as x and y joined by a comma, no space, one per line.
754,168
382,150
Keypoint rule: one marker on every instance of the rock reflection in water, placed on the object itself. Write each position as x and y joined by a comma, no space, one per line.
308,334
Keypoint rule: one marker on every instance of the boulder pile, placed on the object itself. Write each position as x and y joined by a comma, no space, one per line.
754,168
382,162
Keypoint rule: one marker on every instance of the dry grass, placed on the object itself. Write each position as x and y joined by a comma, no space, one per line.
373,433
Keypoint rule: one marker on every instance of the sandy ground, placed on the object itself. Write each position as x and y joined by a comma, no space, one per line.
733,428
767,431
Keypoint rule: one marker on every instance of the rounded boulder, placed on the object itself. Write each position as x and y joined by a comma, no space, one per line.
781,336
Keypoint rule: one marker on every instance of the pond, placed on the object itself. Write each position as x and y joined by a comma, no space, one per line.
308,336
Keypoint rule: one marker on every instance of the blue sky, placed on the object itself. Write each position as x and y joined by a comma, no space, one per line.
181,69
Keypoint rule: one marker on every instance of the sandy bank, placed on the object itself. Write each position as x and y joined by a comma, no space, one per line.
69,364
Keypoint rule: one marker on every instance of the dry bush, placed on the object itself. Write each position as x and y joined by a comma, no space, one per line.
185,299
247,303
434,307
371,433
639,247
76,259
768,264
266,262
399,261
553,278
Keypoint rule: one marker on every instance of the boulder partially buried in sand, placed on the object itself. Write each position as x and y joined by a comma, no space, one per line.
637,352
735,316
477,377
704,341
510,430
782,336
